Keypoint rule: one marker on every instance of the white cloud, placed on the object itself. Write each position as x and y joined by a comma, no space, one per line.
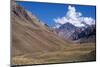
61,20
74,18
89,20
56,26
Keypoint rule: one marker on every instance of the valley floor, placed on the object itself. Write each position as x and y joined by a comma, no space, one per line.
75,53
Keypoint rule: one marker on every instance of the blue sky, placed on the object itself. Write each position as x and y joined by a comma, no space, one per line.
46,12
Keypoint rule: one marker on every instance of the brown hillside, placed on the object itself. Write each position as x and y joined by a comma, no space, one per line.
29,35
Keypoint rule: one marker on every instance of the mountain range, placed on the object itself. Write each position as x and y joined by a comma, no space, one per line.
77,34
